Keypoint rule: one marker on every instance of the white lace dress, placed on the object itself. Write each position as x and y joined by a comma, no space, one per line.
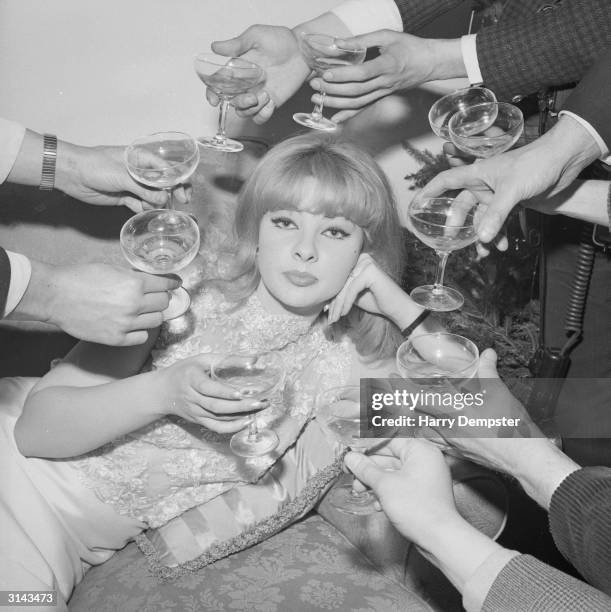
69,514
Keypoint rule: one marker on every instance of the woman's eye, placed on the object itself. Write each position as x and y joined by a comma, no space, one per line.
282,222
336,232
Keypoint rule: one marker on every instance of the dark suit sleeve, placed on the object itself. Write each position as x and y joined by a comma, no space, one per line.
543,48
591,99
5,279
418,13
580,522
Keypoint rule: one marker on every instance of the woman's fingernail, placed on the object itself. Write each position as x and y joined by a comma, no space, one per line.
327,76
264,403
325,308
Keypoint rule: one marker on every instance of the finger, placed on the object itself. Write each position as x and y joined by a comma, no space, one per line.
230,408
265,113
487,364
456,178
350,89
378,38
505,198
222,426
363,468
232,47
134,338
134,204
154,283
211,97
155,302
251,102
181,193
501,242
351,103
149,320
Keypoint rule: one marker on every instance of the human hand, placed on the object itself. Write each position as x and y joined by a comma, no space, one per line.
404,61
371,289
103,303
276,50
413,484
190,393
97,175
545,166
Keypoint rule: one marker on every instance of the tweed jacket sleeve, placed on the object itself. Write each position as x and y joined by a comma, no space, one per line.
543,48
580,522
528,585
591,99
5,279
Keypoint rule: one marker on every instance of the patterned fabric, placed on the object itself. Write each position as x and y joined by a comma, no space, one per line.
171,465
247,514
308,567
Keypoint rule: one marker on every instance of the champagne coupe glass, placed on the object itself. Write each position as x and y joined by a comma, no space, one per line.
432,359
227,77
444,224
444,109
322,53
162,241
163,160
340,410
486,129
257,377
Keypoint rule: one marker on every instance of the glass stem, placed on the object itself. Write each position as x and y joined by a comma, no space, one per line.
170,192
441,268
253,429
356,495
317,112
221,137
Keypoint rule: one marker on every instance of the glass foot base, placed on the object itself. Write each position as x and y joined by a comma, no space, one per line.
228,145
345,499
244,445
440,299
316,123
180,300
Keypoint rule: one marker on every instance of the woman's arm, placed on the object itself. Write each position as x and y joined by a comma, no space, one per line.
88,400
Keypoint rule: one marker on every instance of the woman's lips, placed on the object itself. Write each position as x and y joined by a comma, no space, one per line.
300,279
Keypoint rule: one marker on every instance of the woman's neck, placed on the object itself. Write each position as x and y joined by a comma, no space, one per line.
274,307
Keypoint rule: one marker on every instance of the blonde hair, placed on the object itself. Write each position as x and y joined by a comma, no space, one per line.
350,185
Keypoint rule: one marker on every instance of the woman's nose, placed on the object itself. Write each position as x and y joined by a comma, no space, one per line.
305,249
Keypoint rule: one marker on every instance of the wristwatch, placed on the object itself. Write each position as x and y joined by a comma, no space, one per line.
49,158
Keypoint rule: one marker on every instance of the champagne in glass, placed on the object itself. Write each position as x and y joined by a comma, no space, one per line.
255,376
162,160
446,107
227,77
445,225
340,410
162,242
486,129
322,53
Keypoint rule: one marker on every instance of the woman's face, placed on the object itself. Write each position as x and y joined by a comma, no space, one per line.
304,259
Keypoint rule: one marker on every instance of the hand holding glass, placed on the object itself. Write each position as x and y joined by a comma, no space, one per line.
161,242
444,224
162,160
227,77
322,53
340,410
445,108
486,129
257,377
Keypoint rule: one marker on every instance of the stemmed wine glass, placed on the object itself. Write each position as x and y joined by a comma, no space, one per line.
227,77
255,376
322,53
163,160
444,224
445,108
340,410
432,359
162,241
486,129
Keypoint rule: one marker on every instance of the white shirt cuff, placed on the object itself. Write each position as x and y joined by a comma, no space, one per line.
21,270
602,145
364,16
468,49
477,586
11,137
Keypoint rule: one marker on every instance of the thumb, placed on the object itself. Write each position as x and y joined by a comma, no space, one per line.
363,468
487,364
233,47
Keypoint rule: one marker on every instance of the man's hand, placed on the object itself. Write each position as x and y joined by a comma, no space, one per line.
276,50
405,61
96,302
97,175
545,166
